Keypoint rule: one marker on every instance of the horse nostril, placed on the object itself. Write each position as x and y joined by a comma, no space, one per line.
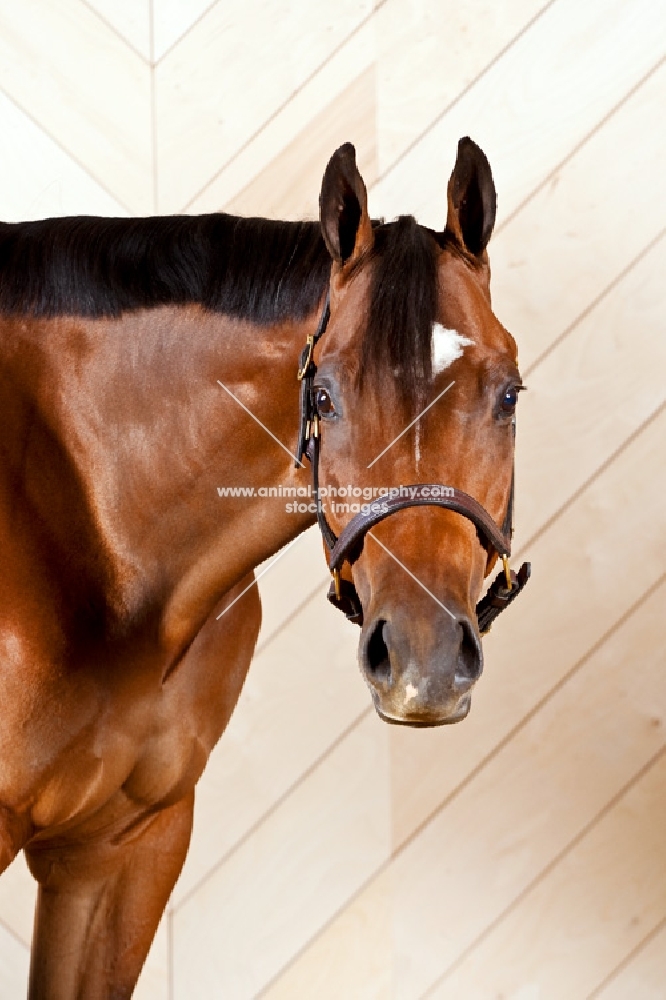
470,656
376,652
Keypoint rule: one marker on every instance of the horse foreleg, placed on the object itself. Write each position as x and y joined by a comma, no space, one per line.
99,905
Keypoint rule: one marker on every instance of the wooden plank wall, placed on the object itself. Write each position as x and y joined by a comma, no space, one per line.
523,853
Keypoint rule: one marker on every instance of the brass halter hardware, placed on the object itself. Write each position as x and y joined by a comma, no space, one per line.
507,572
309,346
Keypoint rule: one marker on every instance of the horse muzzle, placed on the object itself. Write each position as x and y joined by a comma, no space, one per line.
421,676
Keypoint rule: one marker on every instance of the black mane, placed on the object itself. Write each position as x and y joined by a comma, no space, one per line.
254,269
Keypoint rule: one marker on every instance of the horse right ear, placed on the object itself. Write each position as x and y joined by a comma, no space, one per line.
343,207
472,199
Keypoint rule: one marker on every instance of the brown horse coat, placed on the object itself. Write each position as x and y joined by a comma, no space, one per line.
117,673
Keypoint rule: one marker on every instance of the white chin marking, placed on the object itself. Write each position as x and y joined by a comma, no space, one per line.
447,345
410,693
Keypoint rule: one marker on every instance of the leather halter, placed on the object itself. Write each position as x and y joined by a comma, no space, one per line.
348,547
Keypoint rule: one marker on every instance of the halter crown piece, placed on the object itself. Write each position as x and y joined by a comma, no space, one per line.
348,547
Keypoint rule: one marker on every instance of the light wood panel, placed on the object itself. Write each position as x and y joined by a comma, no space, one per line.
531,109
428,53
234,950
585,225
603,382
221,83
153,982
130,18
18,892
588,911
456,853
37,177
301,693
601,897
643,975
293,579
290,121
14,959
85,88
174,18
288,188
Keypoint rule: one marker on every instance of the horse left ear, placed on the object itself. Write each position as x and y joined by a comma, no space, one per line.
472,198
343,207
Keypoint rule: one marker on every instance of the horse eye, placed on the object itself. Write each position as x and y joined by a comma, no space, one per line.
323,402
509,399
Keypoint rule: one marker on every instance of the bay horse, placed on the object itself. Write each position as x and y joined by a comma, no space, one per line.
142,363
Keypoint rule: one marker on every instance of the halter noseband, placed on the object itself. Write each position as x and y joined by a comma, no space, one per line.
348,547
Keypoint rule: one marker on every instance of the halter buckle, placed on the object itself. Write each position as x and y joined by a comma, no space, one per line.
336,582
507,572
309,344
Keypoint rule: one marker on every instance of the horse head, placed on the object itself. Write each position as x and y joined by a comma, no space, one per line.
415,382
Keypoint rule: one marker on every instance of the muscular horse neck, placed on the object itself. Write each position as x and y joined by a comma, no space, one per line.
145,363
251,369
127,431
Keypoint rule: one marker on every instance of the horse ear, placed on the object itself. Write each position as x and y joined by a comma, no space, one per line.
472,198
343,207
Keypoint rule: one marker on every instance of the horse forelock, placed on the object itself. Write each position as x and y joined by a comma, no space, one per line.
403,301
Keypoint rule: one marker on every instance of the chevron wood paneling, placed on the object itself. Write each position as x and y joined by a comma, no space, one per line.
200,116
288,187
85,87
130,18
39,179
520,853
287,125
172,19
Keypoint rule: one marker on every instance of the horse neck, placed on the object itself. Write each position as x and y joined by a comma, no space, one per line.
151,412
246,435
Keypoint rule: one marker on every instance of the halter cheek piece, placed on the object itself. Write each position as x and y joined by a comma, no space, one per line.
348,547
